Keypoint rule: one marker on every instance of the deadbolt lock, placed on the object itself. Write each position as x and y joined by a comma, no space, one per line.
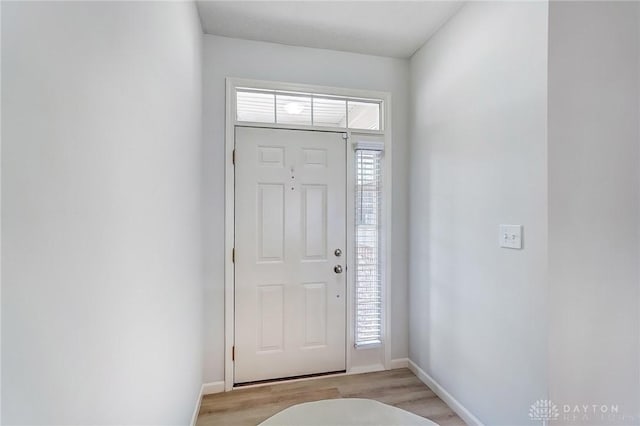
338,252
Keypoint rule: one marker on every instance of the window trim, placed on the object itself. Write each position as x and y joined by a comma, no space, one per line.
360,140
357,360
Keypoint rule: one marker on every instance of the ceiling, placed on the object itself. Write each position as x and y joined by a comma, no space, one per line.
385,28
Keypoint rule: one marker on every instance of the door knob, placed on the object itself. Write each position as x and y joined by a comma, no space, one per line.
337,269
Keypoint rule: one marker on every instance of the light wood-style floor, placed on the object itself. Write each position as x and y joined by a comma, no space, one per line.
400,388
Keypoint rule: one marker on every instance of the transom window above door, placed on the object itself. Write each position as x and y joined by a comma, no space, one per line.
308,109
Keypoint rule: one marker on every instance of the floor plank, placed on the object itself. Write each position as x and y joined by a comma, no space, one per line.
251,406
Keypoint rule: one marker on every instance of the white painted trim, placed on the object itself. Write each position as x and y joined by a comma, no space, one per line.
387,201
194,416
229,237
399,363
453,403
305,127
213,387
350,258
230,125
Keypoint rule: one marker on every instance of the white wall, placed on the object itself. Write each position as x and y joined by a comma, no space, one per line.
101,213
594,213
478,159
226,57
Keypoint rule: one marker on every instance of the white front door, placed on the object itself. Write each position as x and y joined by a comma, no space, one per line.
290,236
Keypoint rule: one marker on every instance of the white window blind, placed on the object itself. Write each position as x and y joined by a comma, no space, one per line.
307,109
368,274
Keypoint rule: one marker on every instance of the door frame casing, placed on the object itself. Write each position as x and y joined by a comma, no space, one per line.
229,217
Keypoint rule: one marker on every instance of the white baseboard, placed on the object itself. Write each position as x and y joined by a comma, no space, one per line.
399,363
205,389
212,387
194,416
453,403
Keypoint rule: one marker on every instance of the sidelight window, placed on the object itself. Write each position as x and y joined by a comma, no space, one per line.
368,265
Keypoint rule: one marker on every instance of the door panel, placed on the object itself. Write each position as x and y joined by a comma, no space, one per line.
290,312
271,317
270,222
315,320
314,215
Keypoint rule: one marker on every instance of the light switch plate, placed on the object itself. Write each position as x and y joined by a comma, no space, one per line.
511,236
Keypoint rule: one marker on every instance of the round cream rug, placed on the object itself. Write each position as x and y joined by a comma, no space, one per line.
345,412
